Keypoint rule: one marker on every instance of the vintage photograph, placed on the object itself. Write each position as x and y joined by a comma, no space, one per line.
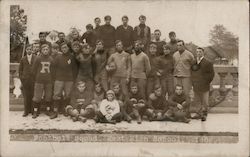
124,72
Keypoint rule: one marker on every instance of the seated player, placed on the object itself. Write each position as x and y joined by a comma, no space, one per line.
109,110
135,103
157,105
99,94
179,104
80,107
121,99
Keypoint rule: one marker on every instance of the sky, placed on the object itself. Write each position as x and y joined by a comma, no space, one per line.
191,20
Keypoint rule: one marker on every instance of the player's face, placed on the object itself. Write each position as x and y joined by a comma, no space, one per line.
110,97
75,34
119,47
153,49
29,50
97,22
61,36
76,48
199,53
116,89
36,47
124,21
157,35
158,92
166,51
134,90
108,21
65,49
81,87
45,50
178,90
86,50
180,46
172,37
137,46
98,88
54,50
99,46
142,20
42,37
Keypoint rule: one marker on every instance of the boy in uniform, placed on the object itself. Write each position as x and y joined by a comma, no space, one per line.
43,73
179,106
65,74
109,111
157,105
135,103
165,66
80,107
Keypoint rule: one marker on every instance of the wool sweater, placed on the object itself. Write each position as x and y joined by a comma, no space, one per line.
125,35
153,63
182,63
159,45
65,67
109,107
123,64
175,99
157,102
107,34
43,69
140,65
80,99
85,64
165,65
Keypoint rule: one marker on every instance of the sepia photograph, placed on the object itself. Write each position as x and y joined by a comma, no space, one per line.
125,78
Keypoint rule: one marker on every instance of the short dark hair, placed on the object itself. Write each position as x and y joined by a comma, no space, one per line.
181,41
99,41
97,18
157,86
200,48
80,83
171,33
138,41
28,45
116,84
45,45
60,33
157,30
118,41
107,17
64,43
42,33
125,16
89,26
142,16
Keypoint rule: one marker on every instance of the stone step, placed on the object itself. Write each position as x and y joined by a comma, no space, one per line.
223,110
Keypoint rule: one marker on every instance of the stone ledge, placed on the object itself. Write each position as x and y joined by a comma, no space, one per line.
145,137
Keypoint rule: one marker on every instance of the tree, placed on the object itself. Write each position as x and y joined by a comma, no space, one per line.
18,22
225,41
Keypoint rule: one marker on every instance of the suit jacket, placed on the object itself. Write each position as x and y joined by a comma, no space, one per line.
25,68
202,75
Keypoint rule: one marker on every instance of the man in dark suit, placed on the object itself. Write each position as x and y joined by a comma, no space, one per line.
27,80
202,75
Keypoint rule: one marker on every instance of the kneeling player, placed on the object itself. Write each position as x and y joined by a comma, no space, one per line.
135,103
109,111
179,104
157,105
80,107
